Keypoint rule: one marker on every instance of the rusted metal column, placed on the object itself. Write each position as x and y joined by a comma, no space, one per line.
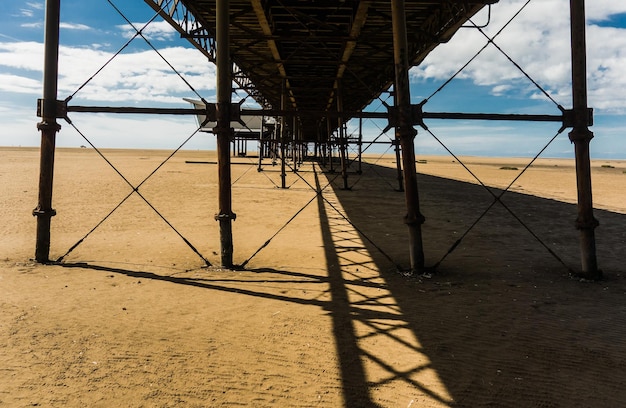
581,136
283,139
224,132
406,133
360,168
321,145
49,128
283,142
261,142
317,146
342,137
294,144
274,143
330,145
399,177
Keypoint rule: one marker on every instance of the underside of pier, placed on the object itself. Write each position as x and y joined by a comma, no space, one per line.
311,67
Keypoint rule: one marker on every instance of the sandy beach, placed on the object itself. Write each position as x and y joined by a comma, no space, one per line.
322,314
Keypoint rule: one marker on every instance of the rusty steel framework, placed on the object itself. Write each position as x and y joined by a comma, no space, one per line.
313,66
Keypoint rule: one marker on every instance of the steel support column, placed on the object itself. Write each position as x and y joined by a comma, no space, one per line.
406,134
343,143
283,138
294,144
323,145
360,163
330,144
49,128
224,132
399,177
581,136
261,142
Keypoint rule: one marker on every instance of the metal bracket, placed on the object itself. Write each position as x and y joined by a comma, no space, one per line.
212,109
570,116
45,125
416,116
235,110
582,224
60,109
38,212
418,219
224,217
210,112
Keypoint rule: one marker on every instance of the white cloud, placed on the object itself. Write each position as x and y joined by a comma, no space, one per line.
30,10
601,10
27,13
19,84
32,25
137,76
62,25
501,89
140,76
538,40
36,6
22,55
19,125
156,30
74,26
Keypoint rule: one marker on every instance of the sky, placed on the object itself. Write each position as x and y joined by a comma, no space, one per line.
537,40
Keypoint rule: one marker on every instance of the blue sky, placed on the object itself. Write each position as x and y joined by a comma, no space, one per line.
538,40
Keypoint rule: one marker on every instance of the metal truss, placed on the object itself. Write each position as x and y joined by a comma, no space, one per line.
202,36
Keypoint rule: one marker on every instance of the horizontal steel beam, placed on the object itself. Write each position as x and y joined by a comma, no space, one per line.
321,114
493,116
136,110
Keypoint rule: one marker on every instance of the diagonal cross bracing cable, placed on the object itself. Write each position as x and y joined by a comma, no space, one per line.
372,168
477,53
112,57
140,33
135,189
241,176
319,193
541,89
266,243
80,241
497,199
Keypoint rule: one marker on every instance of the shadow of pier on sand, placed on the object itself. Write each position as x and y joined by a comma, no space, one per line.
501,323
